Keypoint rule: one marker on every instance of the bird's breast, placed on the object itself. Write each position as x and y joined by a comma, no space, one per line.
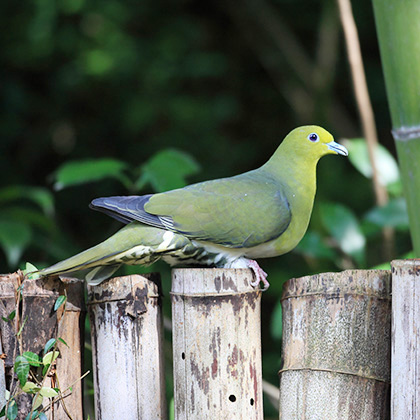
301,198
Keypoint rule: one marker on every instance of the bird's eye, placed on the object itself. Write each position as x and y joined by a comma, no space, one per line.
313,137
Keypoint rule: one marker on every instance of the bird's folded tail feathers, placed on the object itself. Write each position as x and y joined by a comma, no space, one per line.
93,276
136,243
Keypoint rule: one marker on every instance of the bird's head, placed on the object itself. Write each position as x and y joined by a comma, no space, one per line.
312,142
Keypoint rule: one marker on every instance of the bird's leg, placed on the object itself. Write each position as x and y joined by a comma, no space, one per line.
260,275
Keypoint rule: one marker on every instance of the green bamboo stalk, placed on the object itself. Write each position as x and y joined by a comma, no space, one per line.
398,28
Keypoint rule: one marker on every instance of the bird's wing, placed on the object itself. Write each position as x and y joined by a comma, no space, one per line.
127,209
242,211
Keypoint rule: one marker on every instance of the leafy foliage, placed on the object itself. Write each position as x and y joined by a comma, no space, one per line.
25,217
80,172
60,301
167,170
30,365
387,167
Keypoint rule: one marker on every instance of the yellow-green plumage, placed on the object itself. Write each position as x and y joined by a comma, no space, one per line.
224,222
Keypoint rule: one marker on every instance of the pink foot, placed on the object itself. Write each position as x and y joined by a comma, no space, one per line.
260,275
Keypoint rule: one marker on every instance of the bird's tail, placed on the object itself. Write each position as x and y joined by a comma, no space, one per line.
135,243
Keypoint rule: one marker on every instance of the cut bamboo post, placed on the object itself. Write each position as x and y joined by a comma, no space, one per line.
38,299
405,353
336,346
216,345
126,327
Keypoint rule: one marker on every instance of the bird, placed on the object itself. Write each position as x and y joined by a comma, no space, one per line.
228,222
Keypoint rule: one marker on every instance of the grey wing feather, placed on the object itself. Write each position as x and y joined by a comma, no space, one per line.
130,208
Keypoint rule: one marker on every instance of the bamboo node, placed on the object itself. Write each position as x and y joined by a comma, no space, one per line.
333,295
200,295
340,372
405,133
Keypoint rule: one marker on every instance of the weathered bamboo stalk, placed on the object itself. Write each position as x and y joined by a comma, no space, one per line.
405,353
336,346
398,27
126,326
38,298
216,344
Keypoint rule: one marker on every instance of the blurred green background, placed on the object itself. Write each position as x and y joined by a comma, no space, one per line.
114,98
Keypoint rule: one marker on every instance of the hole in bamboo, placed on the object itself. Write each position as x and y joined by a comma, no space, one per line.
183,356
252,401
232,398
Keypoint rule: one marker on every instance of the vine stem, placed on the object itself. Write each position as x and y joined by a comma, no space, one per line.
362,94
365,109
18,341
62,396
54,349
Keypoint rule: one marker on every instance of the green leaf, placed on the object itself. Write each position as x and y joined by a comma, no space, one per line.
32,358
60,339
11,316
14,239
3,411
313,246
167,170
83,171
29,268
49,357
343,226
45,370
40,196
33,276
33,416
60,301
21,327
386,165
393,214
48,392
43,198
12,410
28,216
21,368
30,387
49,345
277,322
37,401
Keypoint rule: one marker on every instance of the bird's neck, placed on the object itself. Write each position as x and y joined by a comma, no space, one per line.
297,173
293,165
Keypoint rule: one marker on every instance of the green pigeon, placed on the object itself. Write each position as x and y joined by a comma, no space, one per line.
226,222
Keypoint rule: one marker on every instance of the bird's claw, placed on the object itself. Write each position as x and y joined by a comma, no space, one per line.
260,275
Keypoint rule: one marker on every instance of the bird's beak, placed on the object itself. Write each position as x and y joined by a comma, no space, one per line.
337,148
